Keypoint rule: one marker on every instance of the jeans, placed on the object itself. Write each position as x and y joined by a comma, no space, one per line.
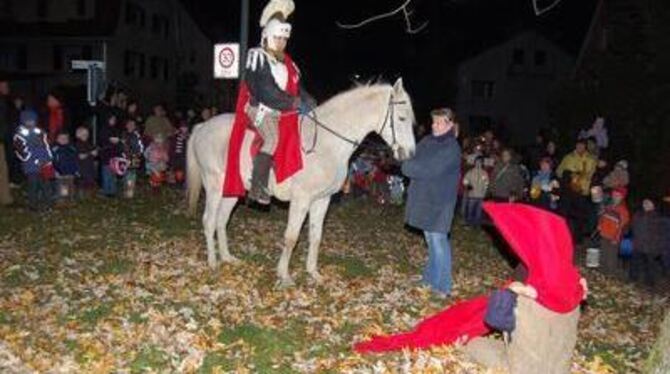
40,192
109,182
472,210
437,273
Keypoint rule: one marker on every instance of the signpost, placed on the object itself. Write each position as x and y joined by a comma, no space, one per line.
95,84
227,61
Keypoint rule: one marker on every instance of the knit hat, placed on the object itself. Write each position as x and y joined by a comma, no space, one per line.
28,115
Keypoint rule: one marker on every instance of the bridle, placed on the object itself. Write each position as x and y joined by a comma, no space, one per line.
389,119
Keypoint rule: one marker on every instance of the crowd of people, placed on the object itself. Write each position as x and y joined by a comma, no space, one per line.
588,186
61,160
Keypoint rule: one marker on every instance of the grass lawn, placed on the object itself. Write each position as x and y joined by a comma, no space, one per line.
118,285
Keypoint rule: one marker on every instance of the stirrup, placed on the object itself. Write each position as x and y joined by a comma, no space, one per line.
260,195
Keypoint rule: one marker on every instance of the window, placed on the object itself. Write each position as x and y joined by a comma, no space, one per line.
478,123
154,65
142,15
128,63
142,65
42,8
58,57
131,14
135,15
518,56
155,23
87,52
483,89
166,71
540,58
6,8
166,28
22,57
81,8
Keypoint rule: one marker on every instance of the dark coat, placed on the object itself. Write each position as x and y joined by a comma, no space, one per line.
649,233
87,167
434,172
65,159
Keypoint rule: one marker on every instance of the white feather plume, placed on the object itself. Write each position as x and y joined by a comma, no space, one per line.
283,7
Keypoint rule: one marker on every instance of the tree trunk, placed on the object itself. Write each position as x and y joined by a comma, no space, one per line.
659,359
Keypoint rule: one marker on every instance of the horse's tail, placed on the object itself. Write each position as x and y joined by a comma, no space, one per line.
193,178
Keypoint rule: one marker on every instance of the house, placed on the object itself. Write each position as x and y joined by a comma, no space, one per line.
152,48
508,86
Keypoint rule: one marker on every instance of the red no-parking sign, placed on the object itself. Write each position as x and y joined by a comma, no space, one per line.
226,60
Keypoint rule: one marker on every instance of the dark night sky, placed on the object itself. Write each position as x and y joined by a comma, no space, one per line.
330,56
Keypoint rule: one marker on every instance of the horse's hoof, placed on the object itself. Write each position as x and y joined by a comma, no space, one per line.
316,277
212,264
285,283
231,260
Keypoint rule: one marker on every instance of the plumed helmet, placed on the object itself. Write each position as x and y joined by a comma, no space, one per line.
273,21
276,9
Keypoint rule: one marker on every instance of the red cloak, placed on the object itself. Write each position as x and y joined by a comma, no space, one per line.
287,157
542,242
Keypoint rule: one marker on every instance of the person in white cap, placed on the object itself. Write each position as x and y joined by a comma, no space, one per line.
274,86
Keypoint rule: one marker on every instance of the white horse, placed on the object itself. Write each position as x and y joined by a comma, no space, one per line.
350,117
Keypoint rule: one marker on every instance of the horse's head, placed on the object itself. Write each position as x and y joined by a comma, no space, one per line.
397,131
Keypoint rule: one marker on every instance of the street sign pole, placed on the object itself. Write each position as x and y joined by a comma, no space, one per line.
244,35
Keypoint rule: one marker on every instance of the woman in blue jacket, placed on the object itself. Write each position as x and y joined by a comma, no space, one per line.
435,172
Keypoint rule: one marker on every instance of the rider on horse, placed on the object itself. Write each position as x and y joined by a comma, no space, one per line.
273,81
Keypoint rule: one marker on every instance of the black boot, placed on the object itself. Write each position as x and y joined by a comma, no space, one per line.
259,179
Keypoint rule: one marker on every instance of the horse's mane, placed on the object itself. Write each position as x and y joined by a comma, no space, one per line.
353,96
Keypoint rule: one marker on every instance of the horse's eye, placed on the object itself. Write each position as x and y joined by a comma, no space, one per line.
402,119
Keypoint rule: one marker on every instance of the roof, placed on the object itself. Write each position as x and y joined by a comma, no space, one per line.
103,24
566,28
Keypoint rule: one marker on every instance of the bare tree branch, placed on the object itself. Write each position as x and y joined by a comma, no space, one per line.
401,9
539,12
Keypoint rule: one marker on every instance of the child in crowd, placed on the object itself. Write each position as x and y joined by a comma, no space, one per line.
476,183
32,149
157,158
618,177
111,152
66,165
86,154
178,143
650,238
134,149
544,187
612,224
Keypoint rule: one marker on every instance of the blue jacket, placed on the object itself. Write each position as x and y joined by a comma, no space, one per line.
32,148
434,172
66,159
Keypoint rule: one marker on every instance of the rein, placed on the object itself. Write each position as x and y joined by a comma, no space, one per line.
388,119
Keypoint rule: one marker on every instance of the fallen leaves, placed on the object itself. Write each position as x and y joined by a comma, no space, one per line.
131,292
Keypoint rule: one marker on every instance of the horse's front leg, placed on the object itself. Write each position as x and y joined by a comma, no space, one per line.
317,215
296,216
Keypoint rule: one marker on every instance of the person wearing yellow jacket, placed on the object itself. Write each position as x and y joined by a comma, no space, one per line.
582,165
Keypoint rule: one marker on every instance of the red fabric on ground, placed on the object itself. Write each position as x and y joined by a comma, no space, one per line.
542,242
287,157
463,320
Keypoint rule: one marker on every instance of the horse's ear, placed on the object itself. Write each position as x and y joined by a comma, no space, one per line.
398,86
